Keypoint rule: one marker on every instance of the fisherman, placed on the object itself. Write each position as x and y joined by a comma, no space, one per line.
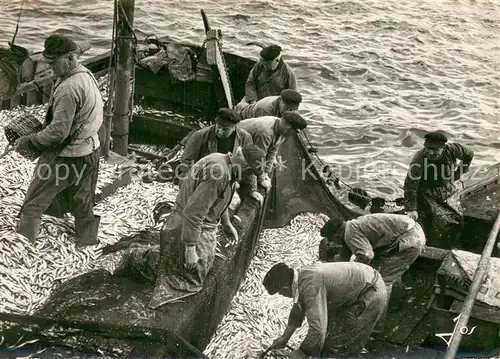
65,176
388,242
429,185
222,137
188,237
341,301
288,100
268,133
269,76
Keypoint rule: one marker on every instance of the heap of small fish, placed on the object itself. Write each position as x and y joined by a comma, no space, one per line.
255,318
28,272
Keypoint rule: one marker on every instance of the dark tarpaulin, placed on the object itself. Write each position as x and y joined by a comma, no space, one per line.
35,335
298,187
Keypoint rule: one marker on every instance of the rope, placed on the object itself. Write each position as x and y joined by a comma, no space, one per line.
17,25
337,180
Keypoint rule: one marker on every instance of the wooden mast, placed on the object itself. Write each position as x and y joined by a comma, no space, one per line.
122,110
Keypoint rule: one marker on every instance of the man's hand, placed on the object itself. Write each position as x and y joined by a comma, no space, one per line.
23,144
413,215
191,257
257,196
266,182
231,232
279,342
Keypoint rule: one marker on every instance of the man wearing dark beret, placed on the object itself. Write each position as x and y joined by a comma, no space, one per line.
430,183
269,76
388,242
69,146
341,301
288,100
222,137
269,132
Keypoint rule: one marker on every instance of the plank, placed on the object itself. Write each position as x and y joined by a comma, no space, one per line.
434,253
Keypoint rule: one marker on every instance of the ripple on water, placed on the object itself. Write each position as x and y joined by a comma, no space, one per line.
402,67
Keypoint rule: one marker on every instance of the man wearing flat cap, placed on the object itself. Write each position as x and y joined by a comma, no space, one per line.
341,301
388,242
223,137
288,100
430,183
269,76
188,237
65,177
269,132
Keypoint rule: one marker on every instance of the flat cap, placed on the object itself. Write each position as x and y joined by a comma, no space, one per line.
228,115
296,120
435,138
291,96
255,157
276,278
58,45
270,52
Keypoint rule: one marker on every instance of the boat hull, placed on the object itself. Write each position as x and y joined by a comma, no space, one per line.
196,319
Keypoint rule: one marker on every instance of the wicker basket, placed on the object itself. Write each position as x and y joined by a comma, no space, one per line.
24,126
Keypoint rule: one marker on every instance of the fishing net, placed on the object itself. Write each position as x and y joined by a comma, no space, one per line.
81,339
117,301
298,187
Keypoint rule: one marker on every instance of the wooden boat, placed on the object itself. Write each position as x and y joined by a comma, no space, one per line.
189,325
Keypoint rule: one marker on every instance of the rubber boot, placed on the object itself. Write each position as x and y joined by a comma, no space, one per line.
86,231
28,227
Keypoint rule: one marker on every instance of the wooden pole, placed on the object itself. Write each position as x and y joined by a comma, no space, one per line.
121,110
477,281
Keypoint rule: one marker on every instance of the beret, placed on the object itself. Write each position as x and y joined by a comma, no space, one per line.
331,227
255,157
291,96
276,277
435,138
296,120
58,45
270,52
227,114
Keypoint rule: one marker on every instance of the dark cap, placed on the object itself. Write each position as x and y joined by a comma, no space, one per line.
296,120
331,228
58,45
435,139
271,52
277,277
291,96
228,115
255,157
